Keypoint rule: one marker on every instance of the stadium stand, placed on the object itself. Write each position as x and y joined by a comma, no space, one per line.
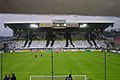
57,44
77,29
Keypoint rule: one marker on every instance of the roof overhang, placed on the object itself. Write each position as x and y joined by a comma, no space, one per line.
90,24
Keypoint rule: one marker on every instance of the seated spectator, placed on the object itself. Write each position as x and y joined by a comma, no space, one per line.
9,77
13,77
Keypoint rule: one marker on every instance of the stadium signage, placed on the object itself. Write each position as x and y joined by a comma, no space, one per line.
72,25
45,24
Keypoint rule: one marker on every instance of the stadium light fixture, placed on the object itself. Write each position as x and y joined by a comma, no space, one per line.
58,25
33,25
64,24
83,25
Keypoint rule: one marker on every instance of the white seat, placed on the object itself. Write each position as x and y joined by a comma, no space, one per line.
57,44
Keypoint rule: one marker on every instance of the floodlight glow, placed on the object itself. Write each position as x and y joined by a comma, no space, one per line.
33,25
83,25
64,24
58,25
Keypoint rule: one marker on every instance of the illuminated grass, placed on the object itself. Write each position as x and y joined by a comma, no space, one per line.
90,64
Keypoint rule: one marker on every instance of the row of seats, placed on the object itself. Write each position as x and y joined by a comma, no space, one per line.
57,44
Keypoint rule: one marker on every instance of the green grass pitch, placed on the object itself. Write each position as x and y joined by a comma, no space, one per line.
91,64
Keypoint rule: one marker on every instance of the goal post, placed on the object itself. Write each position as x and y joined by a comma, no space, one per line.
59,77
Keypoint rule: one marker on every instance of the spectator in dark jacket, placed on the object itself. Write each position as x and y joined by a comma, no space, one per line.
9,77
13,77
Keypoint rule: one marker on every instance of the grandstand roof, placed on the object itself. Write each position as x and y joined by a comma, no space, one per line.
90,24
62,7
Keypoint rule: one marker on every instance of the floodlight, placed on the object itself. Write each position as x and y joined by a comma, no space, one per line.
33,25
58,25
83,25
64,24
